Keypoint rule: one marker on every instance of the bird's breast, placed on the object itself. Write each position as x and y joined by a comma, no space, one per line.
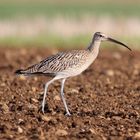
79,68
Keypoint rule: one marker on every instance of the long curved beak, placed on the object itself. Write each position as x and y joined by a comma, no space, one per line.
118,42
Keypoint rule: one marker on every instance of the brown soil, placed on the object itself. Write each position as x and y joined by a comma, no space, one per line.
104,100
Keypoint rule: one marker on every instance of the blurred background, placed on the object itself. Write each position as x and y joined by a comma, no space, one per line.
62,23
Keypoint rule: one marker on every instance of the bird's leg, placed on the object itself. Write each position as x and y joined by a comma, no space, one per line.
63,98
45,92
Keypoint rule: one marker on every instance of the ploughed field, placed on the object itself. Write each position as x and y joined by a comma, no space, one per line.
104,100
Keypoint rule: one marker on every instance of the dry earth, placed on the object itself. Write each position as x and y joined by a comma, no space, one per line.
104,100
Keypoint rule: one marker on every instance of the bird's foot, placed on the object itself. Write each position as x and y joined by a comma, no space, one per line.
68,114
43,111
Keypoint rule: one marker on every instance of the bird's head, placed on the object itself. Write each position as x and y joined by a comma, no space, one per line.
98,36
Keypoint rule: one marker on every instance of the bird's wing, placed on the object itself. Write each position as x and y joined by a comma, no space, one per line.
56,63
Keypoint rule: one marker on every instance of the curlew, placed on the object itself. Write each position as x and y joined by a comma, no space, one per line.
67,64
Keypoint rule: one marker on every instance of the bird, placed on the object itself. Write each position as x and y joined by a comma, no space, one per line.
67,64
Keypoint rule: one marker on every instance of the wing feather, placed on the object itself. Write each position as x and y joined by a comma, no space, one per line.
59,62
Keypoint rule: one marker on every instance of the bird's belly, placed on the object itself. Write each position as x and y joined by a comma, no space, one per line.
76,70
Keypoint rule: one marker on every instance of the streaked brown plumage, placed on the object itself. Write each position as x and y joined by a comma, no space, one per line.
67,64
54,64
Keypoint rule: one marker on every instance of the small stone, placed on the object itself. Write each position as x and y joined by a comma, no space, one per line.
57,98
136,72
92,131
111,87
75,91
93,96
3,84
35,78
34,100
20,130
41,93
137,136
32,107
46,118
117,118
61,132
136,65
108,81
4,107
21,121
110,72
34,89
22,77
11,136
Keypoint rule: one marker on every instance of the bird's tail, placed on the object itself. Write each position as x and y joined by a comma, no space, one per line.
32,70
21,72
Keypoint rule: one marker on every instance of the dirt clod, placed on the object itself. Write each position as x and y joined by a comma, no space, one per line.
61,132
57,98
137,136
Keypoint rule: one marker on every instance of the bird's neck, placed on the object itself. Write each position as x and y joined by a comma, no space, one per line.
94,46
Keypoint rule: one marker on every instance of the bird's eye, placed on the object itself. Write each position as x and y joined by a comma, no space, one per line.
101,36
